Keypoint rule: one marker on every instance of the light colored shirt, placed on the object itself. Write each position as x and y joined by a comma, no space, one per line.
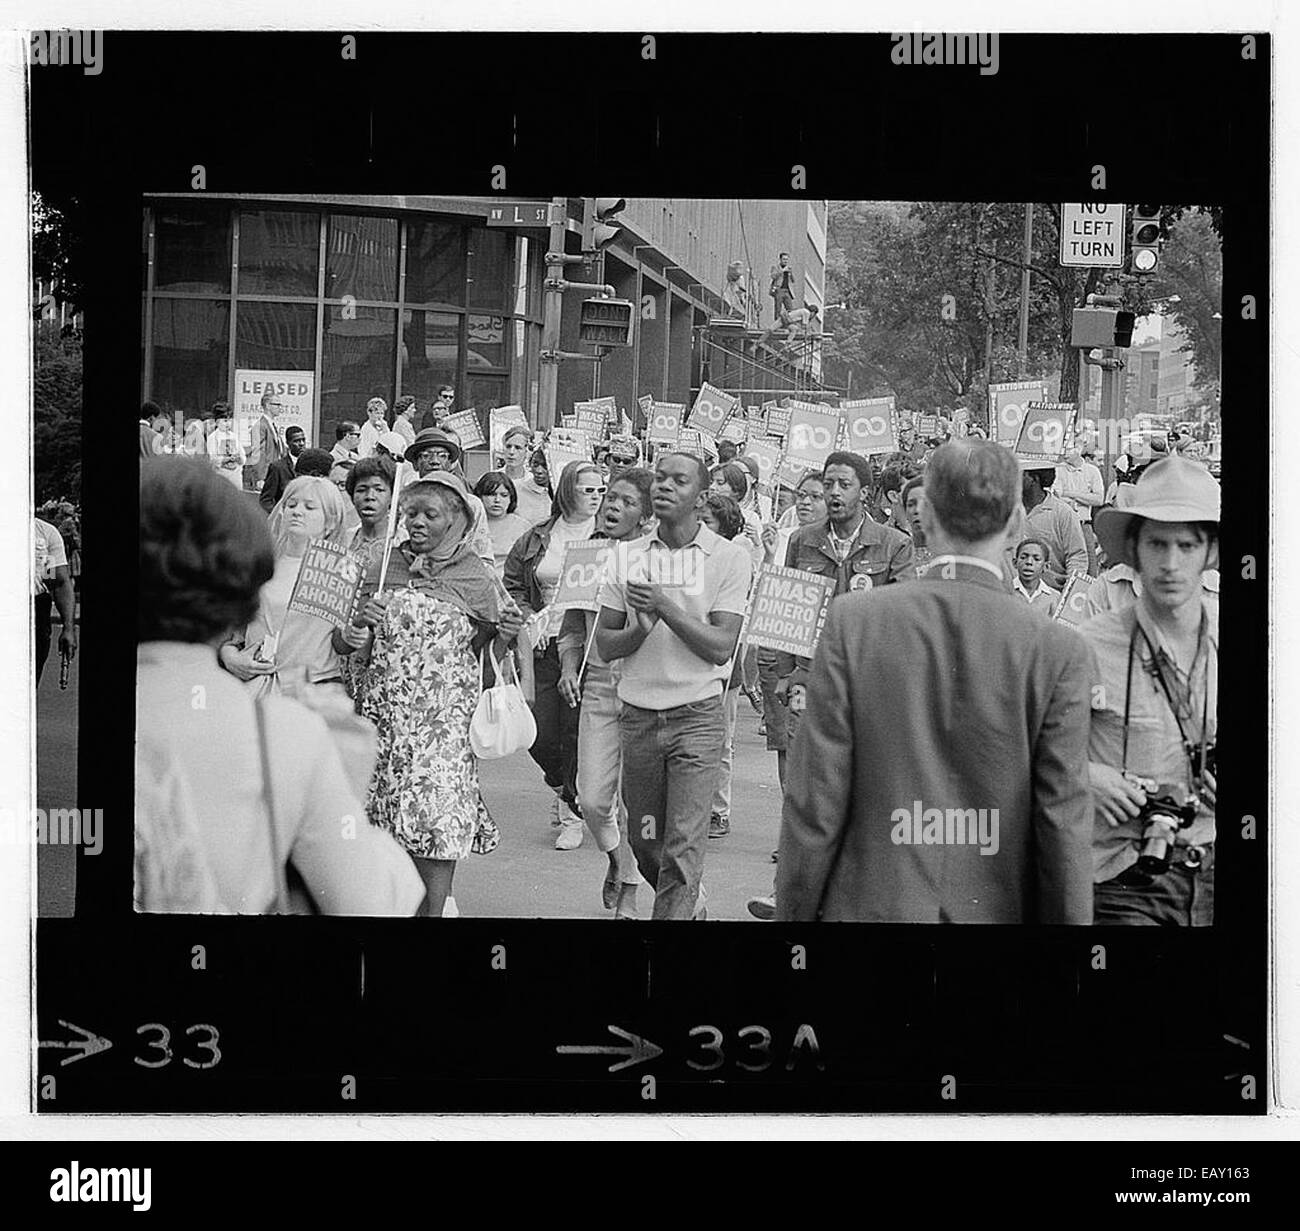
369,438
1070,481
551,563
48,554
1042,596
1120,587
1155,747
197,717
227,454
533,505
707,575
505,532
404,428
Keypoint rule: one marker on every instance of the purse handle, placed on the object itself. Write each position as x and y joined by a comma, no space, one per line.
268,794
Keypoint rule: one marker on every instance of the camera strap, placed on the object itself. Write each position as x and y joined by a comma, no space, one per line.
1160,665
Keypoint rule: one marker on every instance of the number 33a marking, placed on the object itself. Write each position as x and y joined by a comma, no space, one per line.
163,1041
761,1047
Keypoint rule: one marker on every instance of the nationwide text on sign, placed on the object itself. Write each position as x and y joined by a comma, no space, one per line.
1007,404
789,610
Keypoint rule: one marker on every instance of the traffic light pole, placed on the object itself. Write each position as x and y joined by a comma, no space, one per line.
552,307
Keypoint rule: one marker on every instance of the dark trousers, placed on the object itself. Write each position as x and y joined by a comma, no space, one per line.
670,770
556,746
41,607
1182,897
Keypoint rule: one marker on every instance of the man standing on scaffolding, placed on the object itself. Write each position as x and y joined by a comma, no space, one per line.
782,288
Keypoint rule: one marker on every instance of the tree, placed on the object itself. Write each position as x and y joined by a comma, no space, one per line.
58,243
1190,279
56,426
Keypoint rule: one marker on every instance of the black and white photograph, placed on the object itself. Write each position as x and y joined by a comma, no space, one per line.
830,542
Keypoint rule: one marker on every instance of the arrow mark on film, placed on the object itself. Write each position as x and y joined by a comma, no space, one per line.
88,1045
640,1051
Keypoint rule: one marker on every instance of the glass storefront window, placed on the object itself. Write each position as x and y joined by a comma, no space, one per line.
275,336
192,249
191,342
356,365
361,257
490,268
430,353
435,263
487,344
279,252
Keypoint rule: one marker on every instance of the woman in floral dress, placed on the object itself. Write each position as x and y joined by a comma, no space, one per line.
440,606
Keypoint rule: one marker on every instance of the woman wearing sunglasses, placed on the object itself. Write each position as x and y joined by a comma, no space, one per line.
532,575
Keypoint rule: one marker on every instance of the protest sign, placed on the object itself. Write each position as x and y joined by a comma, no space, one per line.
591,417
927,426
328,581
778,419
500,420
691,441
569,421
791,471
570,440
767,456
869,425
1043,431
736,429
1007,404
712,409
789,610
466,426
813,435
1072,606
581,574
664,422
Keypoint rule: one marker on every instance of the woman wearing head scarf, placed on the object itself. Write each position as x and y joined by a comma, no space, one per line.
281,648
439,608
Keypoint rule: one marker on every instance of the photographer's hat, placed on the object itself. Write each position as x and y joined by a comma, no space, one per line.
1170,490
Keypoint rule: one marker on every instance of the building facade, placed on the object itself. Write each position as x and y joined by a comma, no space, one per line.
330,300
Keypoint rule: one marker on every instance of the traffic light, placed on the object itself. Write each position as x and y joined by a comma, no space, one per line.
1144,237
600,230
1101,327
605,322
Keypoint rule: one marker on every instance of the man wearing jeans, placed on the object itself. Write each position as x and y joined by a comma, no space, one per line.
671,610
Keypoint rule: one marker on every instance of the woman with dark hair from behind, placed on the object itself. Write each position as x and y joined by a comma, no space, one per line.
260,783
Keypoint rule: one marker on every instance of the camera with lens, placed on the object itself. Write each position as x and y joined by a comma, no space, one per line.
1161,817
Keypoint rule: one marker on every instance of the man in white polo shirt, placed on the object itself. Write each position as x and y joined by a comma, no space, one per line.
671,610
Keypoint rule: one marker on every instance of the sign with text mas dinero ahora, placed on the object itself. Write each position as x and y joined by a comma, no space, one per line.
789,610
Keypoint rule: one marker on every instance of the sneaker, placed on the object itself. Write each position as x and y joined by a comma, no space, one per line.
719,826
570,836
755,697
762,908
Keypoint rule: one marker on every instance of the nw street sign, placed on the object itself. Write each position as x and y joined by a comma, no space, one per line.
1092,235
520,214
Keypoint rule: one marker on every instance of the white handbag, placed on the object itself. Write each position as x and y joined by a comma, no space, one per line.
502,722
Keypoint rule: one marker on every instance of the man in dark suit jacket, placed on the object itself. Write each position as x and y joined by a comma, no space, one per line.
282,470
940,774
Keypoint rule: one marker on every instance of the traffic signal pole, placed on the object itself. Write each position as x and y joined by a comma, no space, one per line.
548,375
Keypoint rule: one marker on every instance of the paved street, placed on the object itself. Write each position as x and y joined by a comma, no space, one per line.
526,876
56,779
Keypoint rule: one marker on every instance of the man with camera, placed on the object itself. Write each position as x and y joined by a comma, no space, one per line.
1155,705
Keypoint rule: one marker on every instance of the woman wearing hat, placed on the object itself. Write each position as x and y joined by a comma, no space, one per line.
1154,707
440,607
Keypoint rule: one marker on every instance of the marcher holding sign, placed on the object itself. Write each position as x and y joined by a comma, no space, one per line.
288,646
586,680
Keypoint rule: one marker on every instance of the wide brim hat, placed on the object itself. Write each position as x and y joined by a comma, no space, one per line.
394,442
434,436
1173,489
